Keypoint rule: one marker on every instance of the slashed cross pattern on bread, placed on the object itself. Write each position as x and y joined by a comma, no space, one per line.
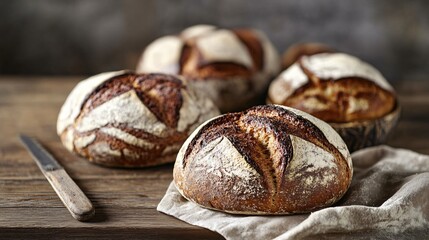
334,87
230,66
265,160
126,119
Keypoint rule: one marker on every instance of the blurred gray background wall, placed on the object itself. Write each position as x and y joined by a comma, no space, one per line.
52,37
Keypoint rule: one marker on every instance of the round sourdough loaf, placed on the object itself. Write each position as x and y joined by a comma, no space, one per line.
335,87
266,160
349,94
233,67
131,120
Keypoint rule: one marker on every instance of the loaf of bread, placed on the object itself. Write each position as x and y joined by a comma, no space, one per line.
296,51
266,160
233,67
131,120
334,87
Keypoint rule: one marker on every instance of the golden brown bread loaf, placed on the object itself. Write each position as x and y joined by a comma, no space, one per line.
131,120
233,67
334,87
266,160
296,51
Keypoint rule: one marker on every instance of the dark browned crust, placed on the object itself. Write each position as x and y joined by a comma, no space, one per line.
293,124
161,93
164,102
184,57
108,90
249,132
195,67
253,44
144,157
295,52
336,94
219,70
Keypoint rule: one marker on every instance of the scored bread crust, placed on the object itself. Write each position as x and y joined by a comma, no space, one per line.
232,66
265,160
334,87
131,120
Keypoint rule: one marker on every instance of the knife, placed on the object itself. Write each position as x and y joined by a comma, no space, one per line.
70,194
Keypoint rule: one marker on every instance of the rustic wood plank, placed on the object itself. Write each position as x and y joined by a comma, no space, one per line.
124,223
104,192
106,217
13,154
105,233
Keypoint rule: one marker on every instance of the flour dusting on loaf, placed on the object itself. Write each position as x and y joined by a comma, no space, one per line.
227,160
328,131
231,50
131,120
326,66
165,55
71,108
126,137
308,159
287,83
338,65
124,109
266,160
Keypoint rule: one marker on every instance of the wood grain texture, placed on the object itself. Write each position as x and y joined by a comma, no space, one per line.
125,199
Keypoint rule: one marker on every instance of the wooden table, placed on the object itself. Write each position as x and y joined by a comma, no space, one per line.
125,200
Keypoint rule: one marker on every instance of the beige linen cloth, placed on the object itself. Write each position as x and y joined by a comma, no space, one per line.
388,199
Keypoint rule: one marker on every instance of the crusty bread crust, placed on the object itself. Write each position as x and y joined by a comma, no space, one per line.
131,120
334,87
266,160
212,58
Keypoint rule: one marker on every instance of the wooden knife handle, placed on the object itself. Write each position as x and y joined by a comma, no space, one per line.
70,194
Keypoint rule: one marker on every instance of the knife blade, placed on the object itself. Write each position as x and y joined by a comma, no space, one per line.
70,194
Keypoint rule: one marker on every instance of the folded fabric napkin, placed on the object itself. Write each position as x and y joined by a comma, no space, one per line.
388,199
